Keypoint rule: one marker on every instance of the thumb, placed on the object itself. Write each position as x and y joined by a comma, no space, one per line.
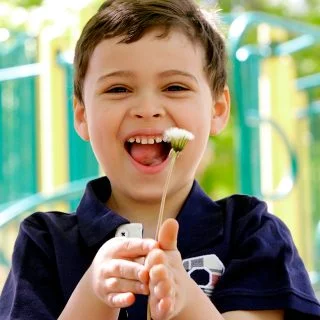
168,235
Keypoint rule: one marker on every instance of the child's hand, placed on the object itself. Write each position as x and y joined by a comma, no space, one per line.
167,275
116,276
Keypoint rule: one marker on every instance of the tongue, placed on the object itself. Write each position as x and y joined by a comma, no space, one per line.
148,154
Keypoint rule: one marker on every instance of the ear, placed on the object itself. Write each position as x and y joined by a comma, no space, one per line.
80,119
221,112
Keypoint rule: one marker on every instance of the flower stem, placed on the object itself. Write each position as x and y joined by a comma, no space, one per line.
148,310
165,190
173,155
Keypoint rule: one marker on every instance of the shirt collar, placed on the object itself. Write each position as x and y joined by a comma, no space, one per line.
200,219
96,220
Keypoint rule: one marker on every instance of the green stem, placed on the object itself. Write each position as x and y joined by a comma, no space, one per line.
173,155
148,310
165,190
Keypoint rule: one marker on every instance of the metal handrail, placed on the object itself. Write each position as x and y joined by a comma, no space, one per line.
287,181
241,24
23,71
64,193
309,82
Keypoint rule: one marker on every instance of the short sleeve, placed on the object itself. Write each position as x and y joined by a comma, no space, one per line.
31,290
264,270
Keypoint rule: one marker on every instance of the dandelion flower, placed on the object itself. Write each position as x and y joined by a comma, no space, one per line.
178,138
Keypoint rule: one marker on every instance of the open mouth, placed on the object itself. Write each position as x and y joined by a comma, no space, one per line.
148,151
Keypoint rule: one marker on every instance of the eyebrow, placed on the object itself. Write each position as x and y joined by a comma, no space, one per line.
130,74
174,72
120,73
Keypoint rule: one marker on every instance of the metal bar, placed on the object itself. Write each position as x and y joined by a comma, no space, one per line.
289,179
1,148
308,82
294,45
78,149
245,21
65,193
247,138
28,70
246,51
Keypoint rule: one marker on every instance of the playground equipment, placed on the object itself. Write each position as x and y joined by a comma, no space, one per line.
277,139
277,118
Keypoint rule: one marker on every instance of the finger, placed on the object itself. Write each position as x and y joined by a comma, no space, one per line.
156,256
165,307
168,235
120,300
131,247
123,285
162,309
163,289
159,273
126,269
140,260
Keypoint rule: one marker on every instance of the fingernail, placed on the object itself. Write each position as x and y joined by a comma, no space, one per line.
152,243
143,275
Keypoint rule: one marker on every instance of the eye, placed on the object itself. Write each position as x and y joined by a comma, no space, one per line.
118,89
176,88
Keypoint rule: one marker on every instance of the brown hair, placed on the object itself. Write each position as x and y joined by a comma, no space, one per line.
132,18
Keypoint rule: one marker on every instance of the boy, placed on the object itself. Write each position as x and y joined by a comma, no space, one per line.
141,67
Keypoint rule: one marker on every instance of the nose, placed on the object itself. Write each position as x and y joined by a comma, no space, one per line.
147,106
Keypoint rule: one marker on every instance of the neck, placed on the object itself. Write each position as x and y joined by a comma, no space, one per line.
147,212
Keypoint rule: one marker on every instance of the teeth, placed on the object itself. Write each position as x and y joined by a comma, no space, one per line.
146,140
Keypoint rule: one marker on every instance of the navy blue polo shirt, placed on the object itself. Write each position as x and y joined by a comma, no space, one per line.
239,254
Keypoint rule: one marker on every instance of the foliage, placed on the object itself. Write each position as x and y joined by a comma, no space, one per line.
26,3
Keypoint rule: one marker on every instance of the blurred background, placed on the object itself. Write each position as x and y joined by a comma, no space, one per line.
270,149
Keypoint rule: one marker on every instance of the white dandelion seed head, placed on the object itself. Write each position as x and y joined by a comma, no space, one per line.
178,138
178,133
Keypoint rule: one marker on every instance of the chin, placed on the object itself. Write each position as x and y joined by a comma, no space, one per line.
147,194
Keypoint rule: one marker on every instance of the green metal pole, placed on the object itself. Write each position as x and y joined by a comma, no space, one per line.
2,191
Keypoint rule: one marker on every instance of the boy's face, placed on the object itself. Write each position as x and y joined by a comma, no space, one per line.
136,91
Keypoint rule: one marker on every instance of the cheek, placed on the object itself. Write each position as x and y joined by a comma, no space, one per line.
199,124
100,120
202,133
99,130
